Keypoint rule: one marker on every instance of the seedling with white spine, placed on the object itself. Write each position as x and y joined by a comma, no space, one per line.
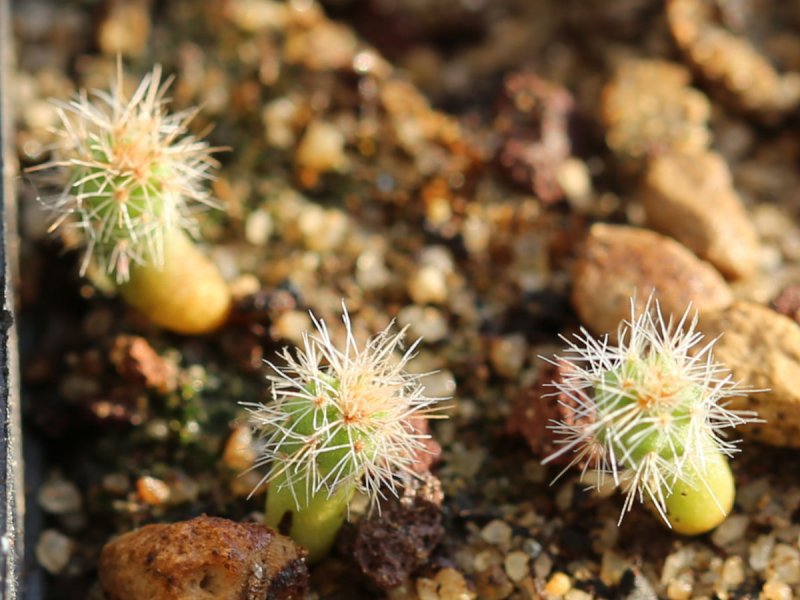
132,174
339,421
650,414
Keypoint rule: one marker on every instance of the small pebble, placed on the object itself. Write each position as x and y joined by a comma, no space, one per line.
675,563
564,497
731,530
322,229
776,590
558,585
258,227
542,565
117,484
497,532
679,589
477,233
58,497
760,551
733,571
440,384
486,559
239,453
574,178
453,586
531,547
428,285
516,565
427,589
53,551
157,429
152,491
278,117
244,285
530,591
507,354
291,325
322,148
437,256
493,583
371,271
784,564
613,567
425,322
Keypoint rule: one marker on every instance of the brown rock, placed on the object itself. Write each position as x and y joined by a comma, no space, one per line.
204,558
135,359
534,120
536,408
617,263
648,108
389,547
691,198
762,350
732,66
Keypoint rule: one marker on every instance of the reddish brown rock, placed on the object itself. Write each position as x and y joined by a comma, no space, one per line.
691,197
389,547
617,263
534,120
206,558
136,360
536,408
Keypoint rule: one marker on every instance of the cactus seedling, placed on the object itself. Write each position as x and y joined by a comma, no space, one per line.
132,173
650,414
339,421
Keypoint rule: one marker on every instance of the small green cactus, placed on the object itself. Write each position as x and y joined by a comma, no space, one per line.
650,413
340,421
130,173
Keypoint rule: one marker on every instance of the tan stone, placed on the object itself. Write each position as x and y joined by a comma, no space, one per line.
205,557
649,107
691,197
762,350
733,67
619,262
